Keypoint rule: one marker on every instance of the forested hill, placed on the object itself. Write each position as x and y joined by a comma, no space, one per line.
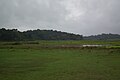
15,35
103,37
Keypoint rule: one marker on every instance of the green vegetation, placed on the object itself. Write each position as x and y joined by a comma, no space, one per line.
31,35
47,60
103,37
59,64
53,44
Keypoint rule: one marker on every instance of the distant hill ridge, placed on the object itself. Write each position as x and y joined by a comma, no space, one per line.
30,35
15,35
103,36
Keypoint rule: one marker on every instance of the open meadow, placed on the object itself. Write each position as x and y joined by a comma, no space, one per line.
60,60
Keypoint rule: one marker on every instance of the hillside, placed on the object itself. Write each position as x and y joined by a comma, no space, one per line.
30,35
15,35
103,37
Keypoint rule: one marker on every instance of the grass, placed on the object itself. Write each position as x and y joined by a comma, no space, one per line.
27,61
43,42
52,44
59,64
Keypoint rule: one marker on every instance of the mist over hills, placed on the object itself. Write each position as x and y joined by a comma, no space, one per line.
30,35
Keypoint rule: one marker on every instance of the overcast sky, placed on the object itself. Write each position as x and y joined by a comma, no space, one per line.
84,17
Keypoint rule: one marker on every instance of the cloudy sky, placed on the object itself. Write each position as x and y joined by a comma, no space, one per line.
84,17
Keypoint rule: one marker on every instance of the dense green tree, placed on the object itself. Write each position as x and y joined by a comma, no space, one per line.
15,35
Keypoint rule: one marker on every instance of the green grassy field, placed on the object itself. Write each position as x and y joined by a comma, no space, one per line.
31,62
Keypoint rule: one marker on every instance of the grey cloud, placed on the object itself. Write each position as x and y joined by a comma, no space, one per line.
98,16
31,11
78,16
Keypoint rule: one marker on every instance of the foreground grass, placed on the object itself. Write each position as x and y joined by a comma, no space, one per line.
59,64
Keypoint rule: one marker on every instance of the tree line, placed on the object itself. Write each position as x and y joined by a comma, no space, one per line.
32,35
103,36
29,35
